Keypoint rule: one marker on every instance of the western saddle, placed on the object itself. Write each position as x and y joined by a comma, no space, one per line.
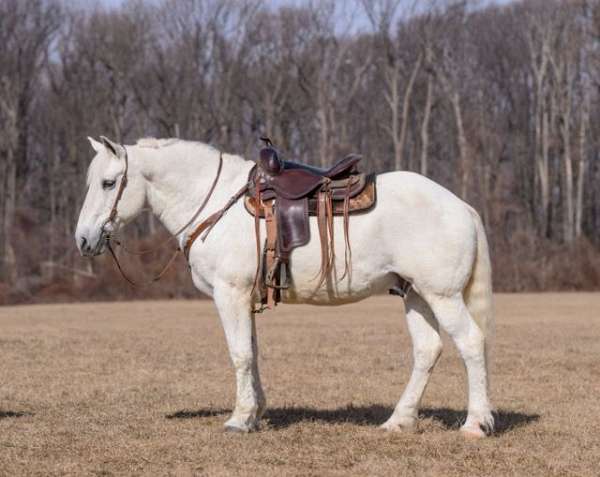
286,194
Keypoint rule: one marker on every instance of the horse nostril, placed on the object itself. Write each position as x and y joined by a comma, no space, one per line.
84,243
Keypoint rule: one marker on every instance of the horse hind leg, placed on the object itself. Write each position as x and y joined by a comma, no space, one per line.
454,317
427,347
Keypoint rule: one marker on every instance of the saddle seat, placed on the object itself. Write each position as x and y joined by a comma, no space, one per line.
342,168
287,194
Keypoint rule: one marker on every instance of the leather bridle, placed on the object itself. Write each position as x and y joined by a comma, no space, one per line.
105,235
107,238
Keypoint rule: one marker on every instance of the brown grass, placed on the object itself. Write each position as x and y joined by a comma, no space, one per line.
144,388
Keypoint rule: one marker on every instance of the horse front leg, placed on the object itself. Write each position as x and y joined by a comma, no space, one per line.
240,333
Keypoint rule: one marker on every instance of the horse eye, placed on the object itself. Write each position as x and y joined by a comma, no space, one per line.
108,184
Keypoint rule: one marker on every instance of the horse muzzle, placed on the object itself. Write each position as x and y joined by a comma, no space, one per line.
89,247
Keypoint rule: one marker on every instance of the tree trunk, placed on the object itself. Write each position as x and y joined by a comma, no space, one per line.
425,127
53,173
405,108
543,169
323,106
539,53
583,165
568,208
583,120
566,89
393,99
2,202
324,140
8,252
461,140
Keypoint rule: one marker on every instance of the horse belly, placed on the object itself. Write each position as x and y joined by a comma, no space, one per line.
338,293
370,272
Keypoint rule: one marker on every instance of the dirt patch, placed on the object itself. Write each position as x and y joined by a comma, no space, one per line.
143,388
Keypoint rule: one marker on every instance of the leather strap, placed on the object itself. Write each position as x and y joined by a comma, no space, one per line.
187,224
347,248
113,211
325,224
207,225
143,284
113,214
272,264
257,238
322,223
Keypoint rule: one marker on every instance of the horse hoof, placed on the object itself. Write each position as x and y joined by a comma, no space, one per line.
405,424
473,432
236,430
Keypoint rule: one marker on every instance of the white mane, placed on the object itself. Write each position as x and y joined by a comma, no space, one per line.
155,143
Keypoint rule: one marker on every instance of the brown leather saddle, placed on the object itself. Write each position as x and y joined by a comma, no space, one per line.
286,194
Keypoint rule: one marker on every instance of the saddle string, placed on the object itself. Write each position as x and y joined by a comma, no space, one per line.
176,252
347,249
325,224
329,202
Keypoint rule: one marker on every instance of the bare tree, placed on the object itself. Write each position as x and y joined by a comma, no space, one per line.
26,31
499,103
450,71
399,66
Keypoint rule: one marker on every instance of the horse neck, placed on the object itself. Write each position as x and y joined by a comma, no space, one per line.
179,177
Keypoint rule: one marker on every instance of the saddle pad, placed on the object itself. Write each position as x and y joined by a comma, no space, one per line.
359,203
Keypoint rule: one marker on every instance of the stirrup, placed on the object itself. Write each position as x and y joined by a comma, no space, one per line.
271,281
401,289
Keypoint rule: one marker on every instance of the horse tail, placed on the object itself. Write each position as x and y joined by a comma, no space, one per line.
478,292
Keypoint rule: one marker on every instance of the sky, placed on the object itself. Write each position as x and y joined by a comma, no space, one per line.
275,3
348,18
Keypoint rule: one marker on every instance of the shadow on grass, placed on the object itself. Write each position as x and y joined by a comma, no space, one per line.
283,417
187,414
374,415
504,420
7,414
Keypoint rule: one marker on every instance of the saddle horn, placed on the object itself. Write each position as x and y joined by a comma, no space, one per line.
268,159
267,141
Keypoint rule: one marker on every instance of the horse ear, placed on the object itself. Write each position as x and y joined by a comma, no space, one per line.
115,149
95,144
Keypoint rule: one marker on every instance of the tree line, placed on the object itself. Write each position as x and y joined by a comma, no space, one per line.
499,103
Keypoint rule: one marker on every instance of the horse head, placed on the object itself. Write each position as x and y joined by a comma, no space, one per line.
115,196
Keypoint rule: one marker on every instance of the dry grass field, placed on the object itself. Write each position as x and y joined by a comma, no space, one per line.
144,388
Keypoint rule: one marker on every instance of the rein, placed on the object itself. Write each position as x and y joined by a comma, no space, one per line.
108,239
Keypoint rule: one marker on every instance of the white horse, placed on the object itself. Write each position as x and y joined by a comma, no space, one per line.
418,231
